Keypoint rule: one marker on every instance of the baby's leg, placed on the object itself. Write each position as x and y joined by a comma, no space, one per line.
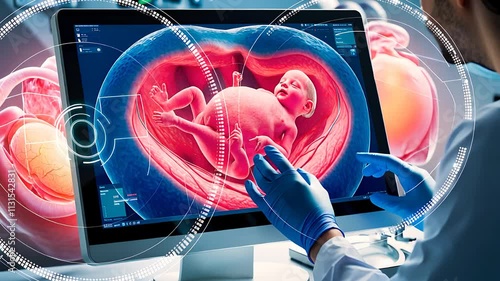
208,139
236,165
190,96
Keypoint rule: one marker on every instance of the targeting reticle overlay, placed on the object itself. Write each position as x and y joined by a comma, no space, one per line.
155,121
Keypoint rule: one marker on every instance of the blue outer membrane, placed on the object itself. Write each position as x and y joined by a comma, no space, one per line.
127,166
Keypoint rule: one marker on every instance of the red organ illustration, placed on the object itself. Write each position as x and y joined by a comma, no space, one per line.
407,94
45,208
253,117
168,160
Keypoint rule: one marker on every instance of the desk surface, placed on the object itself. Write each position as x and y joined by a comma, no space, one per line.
276,253
264,253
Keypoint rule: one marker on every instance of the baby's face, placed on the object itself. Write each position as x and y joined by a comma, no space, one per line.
291,91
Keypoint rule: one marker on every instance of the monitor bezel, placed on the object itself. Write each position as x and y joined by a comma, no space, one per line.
66,19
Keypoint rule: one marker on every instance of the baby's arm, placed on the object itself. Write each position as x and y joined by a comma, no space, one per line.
287,140
239,167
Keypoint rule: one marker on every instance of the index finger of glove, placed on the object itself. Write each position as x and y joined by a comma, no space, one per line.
278,159
264,173
383,161
309,178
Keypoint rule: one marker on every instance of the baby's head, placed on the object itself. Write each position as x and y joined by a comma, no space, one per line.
296,91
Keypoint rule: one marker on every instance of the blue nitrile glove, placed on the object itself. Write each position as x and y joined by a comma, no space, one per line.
295,202
416,182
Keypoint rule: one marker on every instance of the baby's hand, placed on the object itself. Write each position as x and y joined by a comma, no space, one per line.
166,119
236,138
159,95
261,142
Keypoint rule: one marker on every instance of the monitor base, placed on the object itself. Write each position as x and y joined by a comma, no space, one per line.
262,272
235,264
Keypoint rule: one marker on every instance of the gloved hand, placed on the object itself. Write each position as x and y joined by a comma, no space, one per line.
295,202
416,182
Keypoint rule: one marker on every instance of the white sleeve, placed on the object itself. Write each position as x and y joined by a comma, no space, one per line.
338,260
461,234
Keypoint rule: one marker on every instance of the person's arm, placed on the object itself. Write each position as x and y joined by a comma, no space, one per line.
329,234
461,233
297,205
337,259
458,232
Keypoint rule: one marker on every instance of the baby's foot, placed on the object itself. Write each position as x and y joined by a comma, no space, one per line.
160,96
166,119
237,77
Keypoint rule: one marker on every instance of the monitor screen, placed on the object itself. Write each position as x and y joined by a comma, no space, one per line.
113,197
147,121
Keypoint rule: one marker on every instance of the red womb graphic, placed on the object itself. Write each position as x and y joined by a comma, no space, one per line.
34,166
259,112
407,94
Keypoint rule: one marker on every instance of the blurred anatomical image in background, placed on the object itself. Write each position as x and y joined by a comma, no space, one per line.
407,94
43,184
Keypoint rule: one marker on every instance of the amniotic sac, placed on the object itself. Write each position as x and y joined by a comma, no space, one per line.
288,89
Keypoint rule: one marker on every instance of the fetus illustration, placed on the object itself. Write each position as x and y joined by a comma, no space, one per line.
164,119
34,166
292,97
407,94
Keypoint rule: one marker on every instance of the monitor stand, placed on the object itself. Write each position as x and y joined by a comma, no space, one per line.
235,264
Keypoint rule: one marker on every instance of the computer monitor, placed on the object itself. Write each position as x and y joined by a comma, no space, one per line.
143,183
